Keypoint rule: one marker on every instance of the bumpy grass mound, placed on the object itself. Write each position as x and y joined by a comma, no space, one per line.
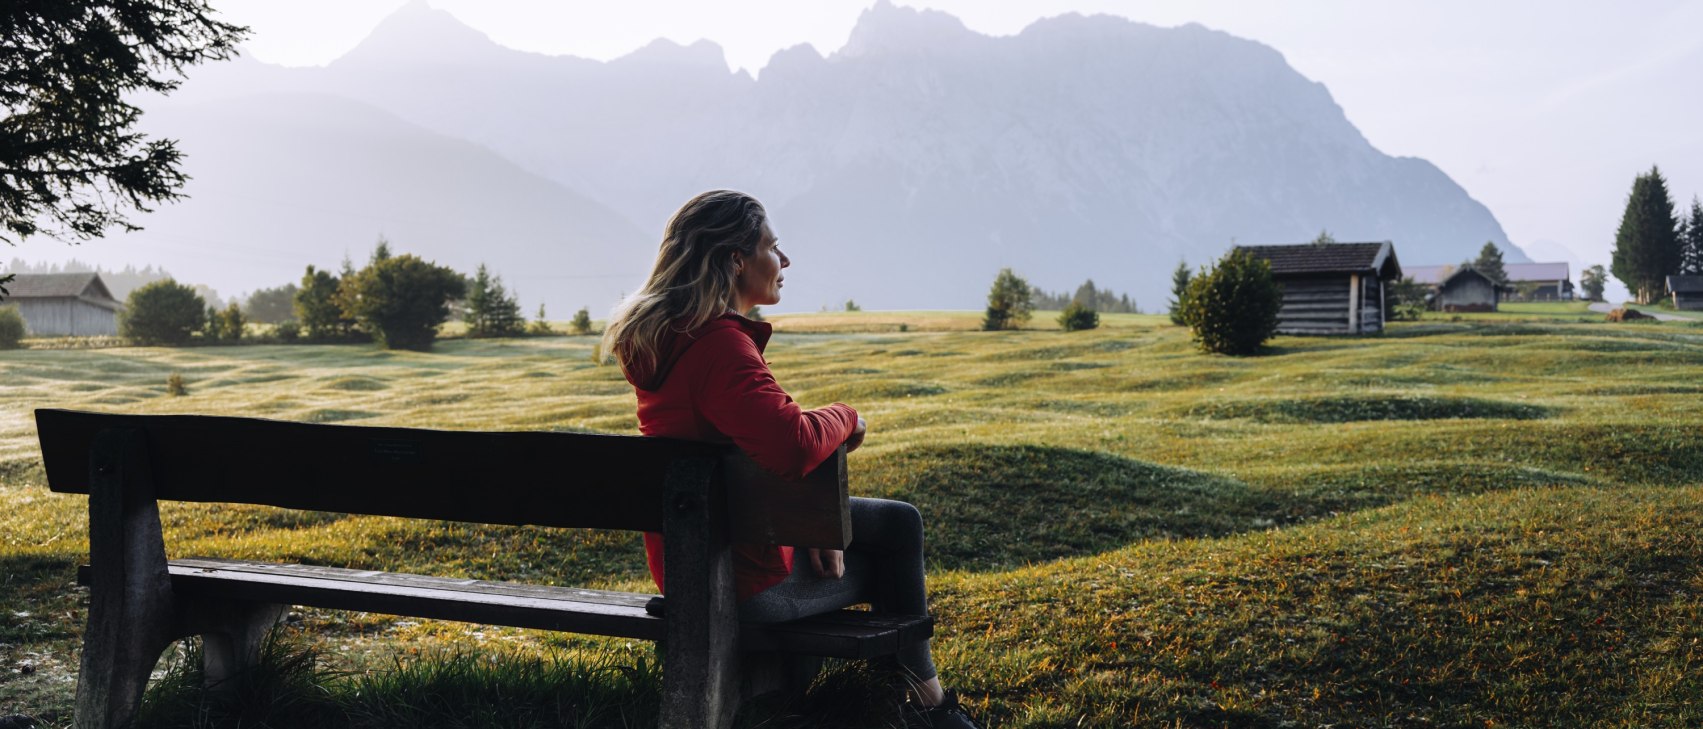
989,507
1352,408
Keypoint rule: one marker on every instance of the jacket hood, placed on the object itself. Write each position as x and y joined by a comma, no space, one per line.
676,343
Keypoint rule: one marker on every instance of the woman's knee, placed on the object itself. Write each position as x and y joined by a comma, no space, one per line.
896,522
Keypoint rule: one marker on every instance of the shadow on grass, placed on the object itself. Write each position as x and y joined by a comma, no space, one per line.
998,507
293,686
995,507
1354,408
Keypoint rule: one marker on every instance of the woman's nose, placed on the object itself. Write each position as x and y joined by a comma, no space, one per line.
785,261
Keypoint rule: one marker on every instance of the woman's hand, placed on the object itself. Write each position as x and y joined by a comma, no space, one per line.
828,562
856,438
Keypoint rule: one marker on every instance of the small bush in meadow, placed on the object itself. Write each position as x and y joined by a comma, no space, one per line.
582,321
1077,317
11,328
288,331
175,386
1233,307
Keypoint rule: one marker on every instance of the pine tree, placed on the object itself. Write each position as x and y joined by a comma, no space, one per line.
1647,246
1489,263
70,73
541,325
1179,285
491,311
1691,254
1009,303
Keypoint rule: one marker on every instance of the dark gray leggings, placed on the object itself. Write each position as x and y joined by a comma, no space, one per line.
883,567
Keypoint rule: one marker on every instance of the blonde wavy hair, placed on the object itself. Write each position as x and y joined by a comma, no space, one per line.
693,280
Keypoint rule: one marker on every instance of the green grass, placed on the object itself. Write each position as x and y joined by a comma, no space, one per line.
1487,522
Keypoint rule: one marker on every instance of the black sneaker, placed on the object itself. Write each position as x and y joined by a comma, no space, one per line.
947,715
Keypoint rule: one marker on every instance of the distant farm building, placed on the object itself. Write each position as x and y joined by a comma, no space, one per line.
1457,288
1687,292
1540,281
1331,288
64,304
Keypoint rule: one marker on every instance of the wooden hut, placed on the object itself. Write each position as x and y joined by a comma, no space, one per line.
1331,288
64,304
1687,292
1466,290
1540,281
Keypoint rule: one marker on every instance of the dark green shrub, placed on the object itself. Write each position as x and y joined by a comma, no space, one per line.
1077,317
1009,302
1232,308
11,328
162,312
288,331
582,320
175,386
400,300
317,310
231,322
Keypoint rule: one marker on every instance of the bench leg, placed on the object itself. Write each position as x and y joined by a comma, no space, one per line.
700,679
130,598
232,635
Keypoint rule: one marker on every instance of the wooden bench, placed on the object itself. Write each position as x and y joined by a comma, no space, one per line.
701,497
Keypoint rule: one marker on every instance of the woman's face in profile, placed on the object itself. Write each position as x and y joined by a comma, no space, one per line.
760,279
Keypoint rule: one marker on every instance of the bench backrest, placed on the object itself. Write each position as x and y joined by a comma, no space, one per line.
522,478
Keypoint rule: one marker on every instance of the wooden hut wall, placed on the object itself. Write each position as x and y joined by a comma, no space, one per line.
1314,305
59,317
1371,304
1688,301
1467,291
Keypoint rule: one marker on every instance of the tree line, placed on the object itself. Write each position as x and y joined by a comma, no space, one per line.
1654,241
398,301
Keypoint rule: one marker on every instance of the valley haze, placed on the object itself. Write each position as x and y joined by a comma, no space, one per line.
902,170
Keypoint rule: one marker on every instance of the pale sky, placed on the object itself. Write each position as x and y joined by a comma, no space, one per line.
1543,110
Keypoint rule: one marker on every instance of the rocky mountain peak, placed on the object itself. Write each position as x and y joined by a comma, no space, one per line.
888,28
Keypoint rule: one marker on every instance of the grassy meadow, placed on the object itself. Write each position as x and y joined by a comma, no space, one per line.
1487,522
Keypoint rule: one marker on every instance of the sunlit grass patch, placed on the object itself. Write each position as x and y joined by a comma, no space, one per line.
1419,529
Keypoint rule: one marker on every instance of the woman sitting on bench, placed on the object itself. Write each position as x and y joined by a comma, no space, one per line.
697,365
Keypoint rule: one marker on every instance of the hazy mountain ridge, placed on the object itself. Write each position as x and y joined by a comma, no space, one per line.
906,168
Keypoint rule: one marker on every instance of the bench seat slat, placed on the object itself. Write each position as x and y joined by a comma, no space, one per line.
838,634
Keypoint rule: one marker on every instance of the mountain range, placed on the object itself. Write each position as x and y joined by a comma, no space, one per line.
903,170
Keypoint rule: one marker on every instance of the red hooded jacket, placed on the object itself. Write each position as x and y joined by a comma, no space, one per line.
711,384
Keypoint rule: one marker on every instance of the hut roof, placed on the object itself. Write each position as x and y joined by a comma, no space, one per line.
1305,258
85,286
1518,272
1685,284
1462,271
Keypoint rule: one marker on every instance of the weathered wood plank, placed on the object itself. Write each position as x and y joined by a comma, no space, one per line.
522,478
838,634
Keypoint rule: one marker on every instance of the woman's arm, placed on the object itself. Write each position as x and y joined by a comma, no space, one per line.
740,398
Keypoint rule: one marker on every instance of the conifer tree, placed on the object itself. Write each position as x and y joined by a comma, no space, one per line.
1646,247
1691,253
1009,304
1179,285
582,320
1489,263
491,311
540,326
